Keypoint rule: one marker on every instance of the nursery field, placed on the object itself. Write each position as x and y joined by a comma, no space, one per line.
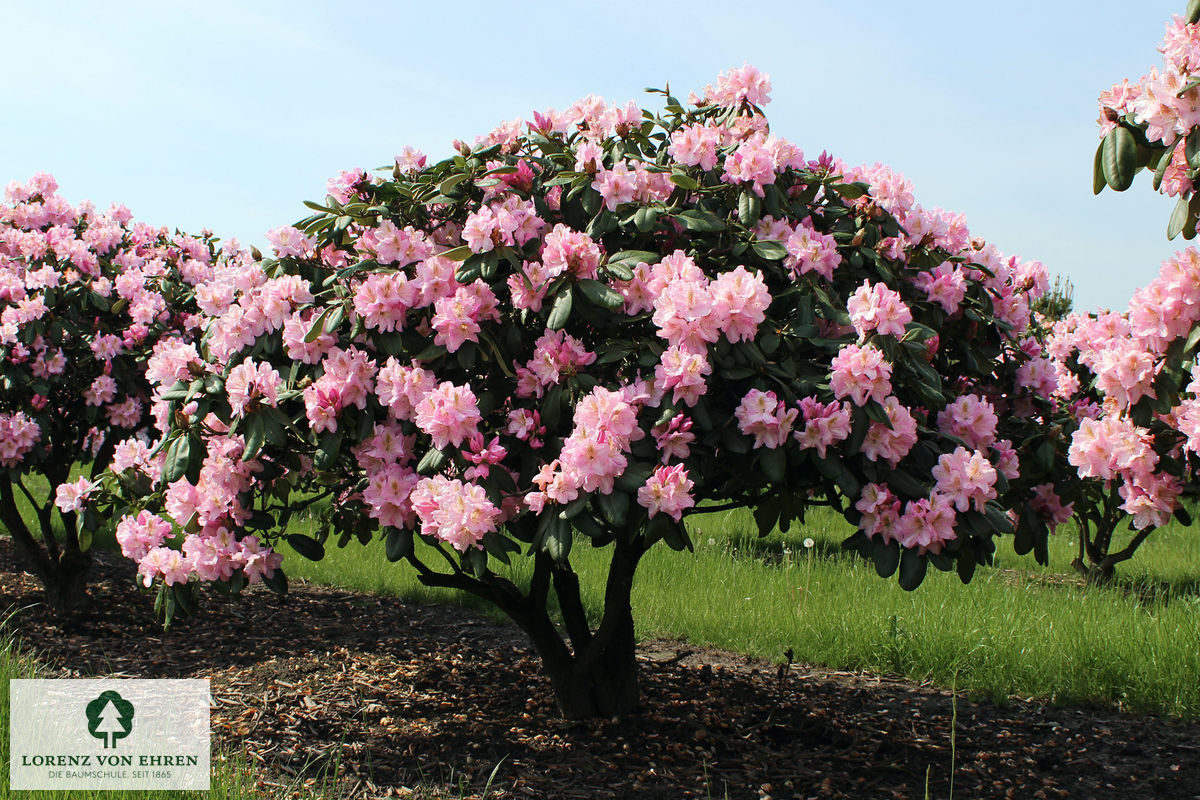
363,683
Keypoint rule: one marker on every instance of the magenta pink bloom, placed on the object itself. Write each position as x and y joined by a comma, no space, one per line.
926,524
971,418
565,250
684,374
880,511
739,303
966,478
824,424
454,512
387,495
860,373
696,145
878,308
765,417
744,84
73,496
891,443
138,535
668,489
448,414
251,384
290,241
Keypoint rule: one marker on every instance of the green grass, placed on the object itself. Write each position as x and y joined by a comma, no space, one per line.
1017,629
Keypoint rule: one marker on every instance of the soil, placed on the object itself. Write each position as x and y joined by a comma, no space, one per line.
384,698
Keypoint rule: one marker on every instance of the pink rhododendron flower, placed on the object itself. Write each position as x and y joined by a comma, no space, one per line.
765,417
454,512
251,384
138,535
860,373
891,443
448,414
73,496
966,478
668,489
971,418
878,308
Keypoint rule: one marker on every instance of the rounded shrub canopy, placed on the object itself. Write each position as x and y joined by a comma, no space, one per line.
600,321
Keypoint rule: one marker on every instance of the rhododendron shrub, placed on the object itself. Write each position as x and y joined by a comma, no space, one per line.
1128,398
1126,379
1154,124
580,330
84,297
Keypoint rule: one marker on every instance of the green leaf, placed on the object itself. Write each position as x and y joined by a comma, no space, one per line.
558,540
328,449
645,219
906,484
619,271
1191,148
614,507
849,191
1098,182
685,181
457,254
912,569
1193,339
398,545
601,295
749,208
560,312
1179,218
277,583
255,432
766,514
698,219
177,459
447,185
1118,157
774,464
318,326
635,257
431,462
1192,14
886,558
306,546
769,250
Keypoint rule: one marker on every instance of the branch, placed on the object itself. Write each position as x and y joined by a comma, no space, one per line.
43,514
23,539
566,586
1127,553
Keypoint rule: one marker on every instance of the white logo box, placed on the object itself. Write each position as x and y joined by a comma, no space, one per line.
73,734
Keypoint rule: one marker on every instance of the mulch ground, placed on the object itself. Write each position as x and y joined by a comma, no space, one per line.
397,698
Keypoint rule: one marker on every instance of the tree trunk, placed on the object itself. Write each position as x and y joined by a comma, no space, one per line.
598,675
605,687
67,590
63,573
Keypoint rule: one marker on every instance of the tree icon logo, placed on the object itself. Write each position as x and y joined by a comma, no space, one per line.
110,717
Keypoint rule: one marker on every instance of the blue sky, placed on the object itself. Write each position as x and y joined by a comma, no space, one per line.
227,115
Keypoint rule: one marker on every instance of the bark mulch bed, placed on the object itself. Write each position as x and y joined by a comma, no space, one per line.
395,698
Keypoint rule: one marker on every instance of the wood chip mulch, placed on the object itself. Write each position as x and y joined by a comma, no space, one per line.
395,699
